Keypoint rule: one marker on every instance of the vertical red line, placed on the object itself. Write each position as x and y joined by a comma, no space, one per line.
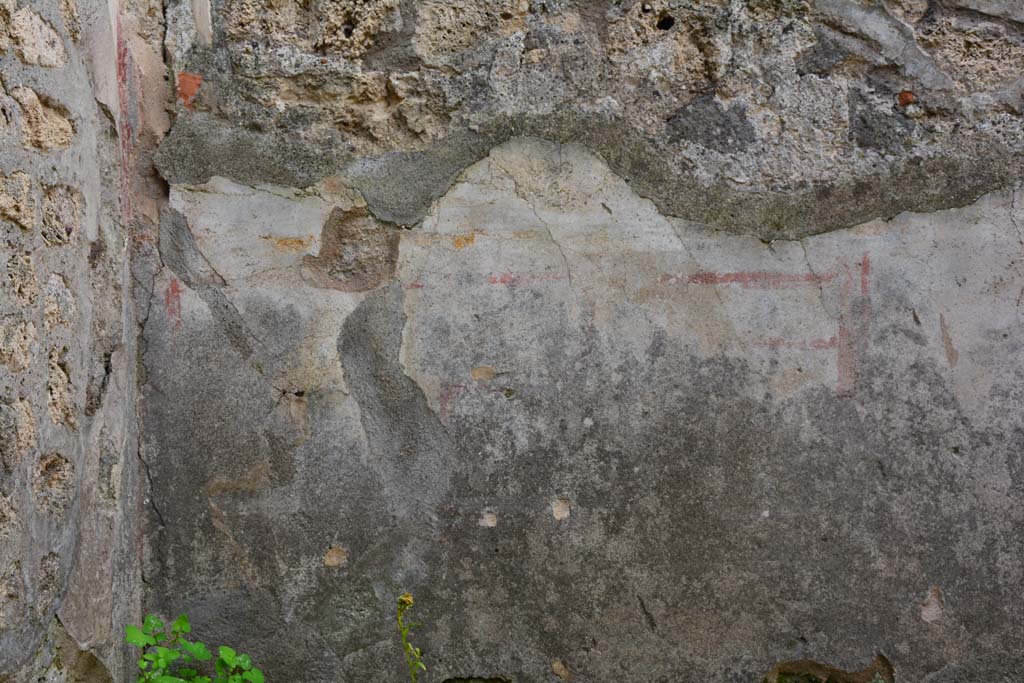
124,125
865,274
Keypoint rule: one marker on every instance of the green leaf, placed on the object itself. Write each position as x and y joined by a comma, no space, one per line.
187,673
235,678
169,679
243,662
201,679
226,654
133,635
152,624
167,654
181,625
222,670
197,650
253,676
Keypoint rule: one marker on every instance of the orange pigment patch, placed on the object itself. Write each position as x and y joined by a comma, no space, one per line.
463,241
482,373
188,86
289,243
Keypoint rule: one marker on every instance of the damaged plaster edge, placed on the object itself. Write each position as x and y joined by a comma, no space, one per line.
400,186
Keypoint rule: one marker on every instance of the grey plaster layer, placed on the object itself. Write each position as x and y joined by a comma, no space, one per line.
593,440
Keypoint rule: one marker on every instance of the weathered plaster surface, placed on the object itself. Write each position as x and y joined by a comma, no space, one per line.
667,340
588,434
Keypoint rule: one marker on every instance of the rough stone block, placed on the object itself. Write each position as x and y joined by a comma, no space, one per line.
45,126
62,214
21,279
58,303
18,341
35,41
59,396
16,202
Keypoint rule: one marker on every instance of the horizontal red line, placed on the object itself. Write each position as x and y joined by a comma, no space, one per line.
751,279
525,278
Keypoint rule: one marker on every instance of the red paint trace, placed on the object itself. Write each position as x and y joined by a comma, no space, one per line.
865,274
753,279
854,322
125,131
511,279
172,301
188,87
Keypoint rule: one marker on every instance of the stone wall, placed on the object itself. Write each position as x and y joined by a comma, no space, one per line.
70,489
671,340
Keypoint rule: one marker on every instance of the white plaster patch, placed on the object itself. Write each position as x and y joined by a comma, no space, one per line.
931,610
561,508
488,519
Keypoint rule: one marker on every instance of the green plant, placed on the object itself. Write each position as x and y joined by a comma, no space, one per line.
168,657
413,655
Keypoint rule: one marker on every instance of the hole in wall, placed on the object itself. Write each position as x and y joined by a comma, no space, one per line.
665,22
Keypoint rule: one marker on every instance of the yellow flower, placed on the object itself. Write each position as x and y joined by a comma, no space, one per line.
405,600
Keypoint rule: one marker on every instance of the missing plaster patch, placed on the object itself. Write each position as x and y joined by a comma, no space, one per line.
58,303
349,28
8,519
807,671
21,278
62,209
69,13
8,439
35,41
58,389
45,125
931,608
559,668
357,252
52,482
16,199
488,519
336,556
17,340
